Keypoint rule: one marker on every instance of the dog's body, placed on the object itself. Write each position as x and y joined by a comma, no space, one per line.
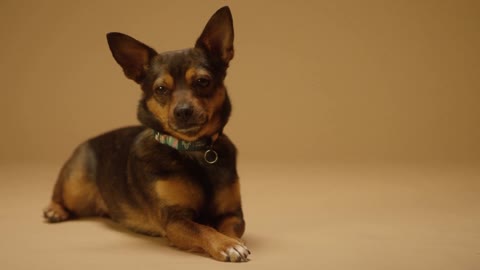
174,176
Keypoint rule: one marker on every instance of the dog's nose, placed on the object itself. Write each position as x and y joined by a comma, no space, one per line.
183,112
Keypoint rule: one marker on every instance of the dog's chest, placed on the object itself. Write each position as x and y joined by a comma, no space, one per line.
218,184
207,197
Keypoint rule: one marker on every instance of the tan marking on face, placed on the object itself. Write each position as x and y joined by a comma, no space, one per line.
160,112
179,192
189,75
165,80
213,106
193,73
227,199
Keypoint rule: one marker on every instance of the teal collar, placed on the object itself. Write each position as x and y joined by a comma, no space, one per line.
210,156
181,145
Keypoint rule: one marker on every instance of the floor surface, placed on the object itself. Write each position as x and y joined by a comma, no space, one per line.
328,217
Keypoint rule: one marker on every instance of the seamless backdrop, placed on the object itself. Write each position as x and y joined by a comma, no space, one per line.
326,80
357,124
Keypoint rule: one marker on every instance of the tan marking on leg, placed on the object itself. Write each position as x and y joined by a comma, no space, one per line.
189,235
232,226
179,192
227,200
169,192
82,197
80,193
143,220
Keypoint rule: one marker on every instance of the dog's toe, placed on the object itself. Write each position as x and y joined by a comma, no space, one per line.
238,253
234,252
55,213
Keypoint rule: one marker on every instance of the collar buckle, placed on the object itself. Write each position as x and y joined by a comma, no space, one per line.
210,156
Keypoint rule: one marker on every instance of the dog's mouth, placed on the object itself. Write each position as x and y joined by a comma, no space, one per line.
189,129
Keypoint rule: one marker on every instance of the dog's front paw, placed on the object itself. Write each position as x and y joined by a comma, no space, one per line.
238,253
230,250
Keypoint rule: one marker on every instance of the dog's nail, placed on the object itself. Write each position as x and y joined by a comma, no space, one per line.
235,255
246,248
242,251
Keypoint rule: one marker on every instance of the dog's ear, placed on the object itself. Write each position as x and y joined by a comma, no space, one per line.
132,55
217,37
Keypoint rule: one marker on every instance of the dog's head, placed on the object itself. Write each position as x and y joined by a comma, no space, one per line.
183,91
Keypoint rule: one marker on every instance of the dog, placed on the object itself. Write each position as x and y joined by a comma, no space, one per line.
175,175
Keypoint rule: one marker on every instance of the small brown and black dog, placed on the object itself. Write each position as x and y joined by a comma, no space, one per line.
174,176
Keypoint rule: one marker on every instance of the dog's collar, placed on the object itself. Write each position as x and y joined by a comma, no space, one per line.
181,145
205,144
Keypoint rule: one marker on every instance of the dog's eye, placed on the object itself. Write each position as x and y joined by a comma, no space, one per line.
202,82
162,90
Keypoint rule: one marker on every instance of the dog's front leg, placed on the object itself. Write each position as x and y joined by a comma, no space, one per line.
232,225
186,234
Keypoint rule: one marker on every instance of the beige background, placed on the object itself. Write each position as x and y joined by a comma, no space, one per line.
333,80
357,124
